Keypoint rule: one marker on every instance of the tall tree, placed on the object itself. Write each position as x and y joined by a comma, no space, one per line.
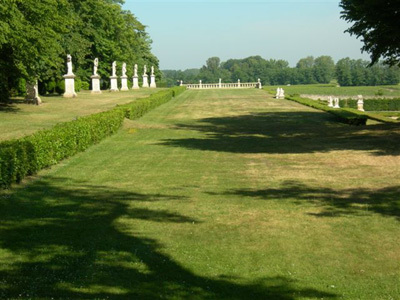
377,23
324,69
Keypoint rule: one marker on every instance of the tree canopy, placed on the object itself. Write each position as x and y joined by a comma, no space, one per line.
36,36
377,23
308,70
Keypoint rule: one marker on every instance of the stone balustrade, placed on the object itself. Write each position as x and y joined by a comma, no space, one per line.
238,85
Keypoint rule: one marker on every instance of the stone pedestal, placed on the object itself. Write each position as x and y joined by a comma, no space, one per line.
114,84
124,83
238,83
95,84
200,84
336,101
135,81
145,81
32,93
153,81
220,83
69,86
360,105
330,102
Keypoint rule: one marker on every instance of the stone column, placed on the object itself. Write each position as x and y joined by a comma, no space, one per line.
259,83
114,84
95,84
135,80
238,83
124,83
152,79
360,103
200,84
124,79
69,86
220,83
32,93
181,83
145,81
114,78
69,80
336,103
330,101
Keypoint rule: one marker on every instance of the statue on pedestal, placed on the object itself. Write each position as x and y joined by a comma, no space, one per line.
136,68
124,70
95,66
114,69
69,65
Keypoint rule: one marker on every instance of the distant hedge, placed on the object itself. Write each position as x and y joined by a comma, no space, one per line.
373,104
345,116
26,156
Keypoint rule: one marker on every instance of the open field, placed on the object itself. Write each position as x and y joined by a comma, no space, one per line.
332,90
20,119
214,195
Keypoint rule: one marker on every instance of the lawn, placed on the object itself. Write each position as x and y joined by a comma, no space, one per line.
214,195
20,119
343,92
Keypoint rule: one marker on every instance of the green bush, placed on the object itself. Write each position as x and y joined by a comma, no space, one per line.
60,87
85,86
25,156
345,116
177,90
78,85
373,104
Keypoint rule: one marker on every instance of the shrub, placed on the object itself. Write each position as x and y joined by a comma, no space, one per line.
60,87
345,116
23,157
78,85
374,104
85,86
177,90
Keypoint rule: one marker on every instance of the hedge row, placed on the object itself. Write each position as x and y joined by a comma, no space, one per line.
26,156
373,104
345,116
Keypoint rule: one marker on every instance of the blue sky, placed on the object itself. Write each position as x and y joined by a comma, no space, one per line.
186,33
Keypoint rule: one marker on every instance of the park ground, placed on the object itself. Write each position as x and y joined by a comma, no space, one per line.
214,195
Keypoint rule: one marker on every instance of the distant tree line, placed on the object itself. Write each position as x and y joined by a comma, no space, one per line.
309,70
36,36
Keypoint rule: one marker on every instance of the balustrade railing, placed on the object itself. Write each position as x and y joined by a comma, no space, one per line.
239,85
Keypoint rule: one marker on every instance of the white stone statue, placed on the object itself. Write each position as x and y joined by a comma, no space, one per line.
95,66
330,101
135,69
69,65
114,69
124,70
282,95
336,103
360,103
152,70
278,92
145,70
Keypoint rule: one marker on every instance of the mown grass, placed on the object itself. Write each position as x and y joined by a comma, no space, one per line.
19,119
214,195
333,90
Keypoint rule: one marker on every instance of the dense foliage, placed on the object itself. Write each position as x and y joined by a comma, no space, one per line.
36,36
309,70
377,23
26,156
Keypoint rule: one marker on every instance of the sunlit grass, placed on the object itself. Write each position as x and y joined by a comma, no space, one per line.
214,195
20,119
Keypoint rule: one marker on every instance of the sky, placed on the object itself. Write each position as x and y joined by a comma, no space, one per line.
186,33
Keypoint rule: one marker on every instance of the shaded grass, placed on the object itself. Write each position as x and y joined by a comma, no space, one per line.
19,119
214,195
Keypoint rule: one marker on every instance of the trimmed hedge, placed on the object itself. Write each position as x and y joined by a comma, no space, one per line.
373,104
26,156
345,116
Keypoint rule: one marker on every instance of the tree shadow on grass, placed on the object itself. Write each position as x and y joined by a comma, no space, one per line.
288,132
335,202
68,242
9,108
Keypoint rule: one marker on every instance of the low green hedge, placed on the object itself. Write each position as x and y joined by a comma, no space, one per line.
23,157
345,116
373,104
